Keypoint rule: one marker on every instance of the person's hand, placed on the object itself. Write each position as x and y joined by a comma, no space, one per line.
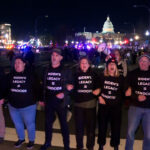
70,87
128,92
141,98
101,100
60,95
1,101
96,92
41,103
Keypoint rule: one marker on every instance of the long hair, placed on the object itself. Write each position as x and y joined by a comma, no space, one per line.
106,72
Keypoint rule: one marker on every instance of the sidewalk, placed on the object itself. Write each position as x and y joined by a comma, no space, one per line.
57,142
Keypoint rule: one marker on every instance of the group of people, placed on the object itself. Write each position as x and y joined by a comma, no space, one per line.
88,89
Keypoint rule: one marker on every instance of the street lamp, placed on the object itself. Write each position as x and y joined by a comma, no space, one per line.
147,33
147,8
136,37
36,23
131,39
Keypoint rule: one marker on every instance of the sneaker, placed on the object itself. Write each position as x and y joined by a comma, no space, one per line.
45,146
30,145
19,143
1,139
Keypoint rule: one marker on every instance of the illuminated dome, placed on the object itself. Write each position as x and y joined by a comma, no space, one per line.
108,26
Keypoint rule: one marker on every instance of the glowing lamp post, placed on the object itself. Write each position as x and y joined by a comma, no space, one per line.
136,37
131,40
147,33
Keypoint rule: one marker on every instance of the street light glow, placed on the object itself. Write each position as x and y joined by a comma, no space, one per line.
147,33
131,39
66,41
136,37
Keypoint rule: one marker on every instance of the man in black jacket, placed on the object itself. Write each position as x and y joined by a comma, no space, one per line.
57,82
139,81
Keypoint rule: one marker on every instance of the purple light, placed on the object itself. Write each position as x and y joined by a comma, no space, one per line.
88,47
76,46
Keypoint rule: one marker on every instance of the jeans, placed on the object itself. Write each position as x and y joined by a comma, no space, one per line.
21,116
2,123
135,115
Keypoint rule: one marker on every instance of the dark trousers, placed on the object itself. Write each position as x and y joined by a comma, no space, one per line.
110,114
50,110
85,117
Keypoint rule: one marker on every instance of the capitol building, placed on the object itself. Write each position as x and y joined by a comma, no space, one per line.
107,33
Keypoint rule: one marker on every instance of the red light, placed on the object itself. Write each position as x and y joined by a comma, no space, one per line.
126,41
93,40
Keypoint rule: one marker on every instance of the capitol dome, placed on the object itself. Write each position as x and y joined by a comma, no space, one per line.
108,26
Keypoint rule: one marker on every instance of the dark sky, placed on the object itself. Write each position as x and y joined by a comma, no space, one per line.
72,15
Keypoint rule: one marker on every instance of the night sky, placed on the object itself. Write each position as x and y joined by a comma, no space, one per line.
72,15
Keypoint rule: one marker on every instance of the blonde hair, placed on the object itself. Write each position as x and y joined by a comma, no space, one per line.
106,72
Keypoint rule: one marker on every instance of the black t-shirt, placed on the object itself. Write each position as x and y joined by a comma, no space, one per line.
140,84
21,92
85,83
53,83
112,89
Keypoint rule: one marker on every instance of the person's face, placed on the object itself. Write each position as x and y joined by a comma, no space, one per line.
84,65
144,63
112,68
117,55
56,58
19,65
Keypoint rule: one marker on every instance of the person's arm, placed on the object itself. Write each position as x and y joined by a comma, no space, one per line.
125,69
96,84
37,89
101,100
43,87
1,101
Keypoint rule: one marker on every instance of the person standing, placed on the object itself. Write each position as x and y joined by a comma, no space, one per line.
57,83
121,64
139,110
110,100
2,121
85,86
22,91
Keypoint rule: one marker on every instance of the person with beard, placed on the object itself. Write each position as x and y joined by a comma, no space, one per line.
139,110
57,83
110,100
85,89
22,92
